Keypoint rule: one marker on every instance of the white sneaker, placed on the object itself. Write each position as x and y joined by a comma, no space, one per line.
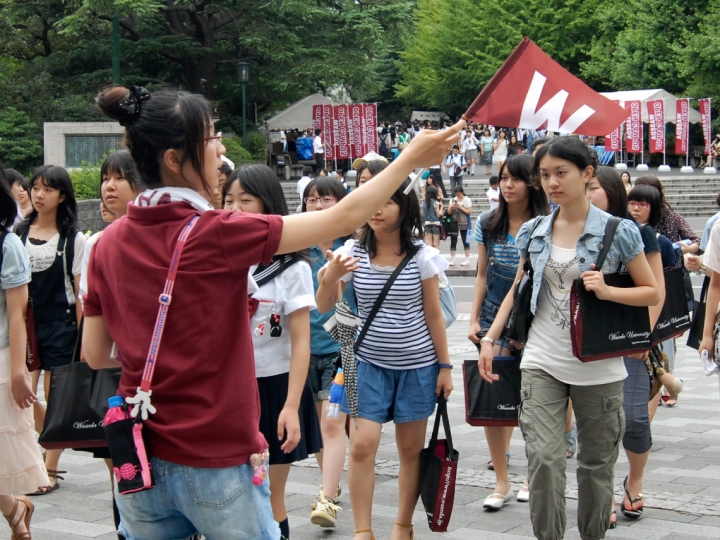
524,494
496,500
452,263
465,263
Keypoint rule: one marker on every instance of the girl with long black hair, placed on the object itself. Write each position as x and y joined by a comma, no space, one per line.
403,361
498,260
280,323
55,248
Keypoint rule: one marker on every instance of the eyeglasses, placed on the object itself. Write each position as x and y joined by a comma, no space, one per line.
217,137
637,204
324,200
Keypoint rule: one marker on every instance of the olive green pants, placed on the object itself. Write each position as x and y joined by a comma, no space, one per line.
601,424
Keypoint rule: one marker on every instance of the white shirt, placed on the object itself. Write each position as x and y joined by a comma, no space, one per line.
43,256
302,184
89,244
469,143
318,147
549,345
290,291
493,196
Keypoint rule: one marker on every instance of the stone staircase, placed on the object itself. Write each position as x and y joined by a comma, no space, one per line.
691,196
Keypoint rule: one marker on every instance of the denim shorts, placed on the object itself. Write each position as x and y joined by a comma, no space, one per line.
322,367
401,395
191,500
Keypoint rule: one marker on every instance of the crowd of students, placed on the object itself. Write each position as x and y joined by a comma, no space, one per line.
247,361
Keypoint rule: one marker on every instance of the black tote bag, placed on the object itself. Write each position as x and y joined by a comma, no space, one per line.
493,404
698,320
602,329
77,404
674,318
438,471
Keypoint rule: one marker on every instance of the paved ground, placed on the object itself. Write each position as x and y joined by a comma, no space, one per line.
681,488
682,481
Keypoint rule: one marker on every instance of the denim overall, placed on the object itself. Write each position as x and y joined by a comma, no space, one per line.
55,317
500,278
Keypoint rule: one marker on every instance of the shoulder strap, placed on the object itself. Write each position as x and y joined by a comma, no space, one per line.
70,255
381,298
141,400
610,229
265,274
3,235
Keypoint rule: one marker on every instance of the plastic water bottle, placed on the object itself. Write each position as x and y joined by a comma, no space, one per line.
115,412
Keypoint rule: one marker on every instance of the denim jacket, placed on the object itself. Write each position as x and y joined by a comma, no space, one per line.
626,245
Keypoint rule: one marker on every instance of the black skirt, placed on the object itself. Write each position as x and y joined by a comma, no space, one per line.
273,394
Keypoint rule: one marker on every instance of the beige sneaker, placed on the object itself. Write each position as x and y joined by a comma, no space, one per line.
325,513
338,492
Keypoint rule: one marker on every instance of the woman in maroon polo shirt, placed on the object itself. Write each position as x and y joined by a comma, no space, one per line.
205,428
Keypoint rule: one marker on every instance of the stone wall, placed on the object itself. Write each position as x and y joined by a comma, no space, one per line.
89,217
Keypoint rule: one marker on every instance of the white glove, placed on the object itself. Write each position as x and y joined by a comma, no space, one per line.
142,404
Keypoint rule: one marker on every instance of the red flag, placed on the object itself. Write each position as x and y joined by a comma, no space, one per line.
328,132
342,131
682,125
370,126
531,90
634,127
705,116
656,121
356,130
317,118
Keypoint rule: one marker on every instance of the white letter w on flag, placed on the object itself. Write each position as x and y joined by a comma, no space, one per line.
533,118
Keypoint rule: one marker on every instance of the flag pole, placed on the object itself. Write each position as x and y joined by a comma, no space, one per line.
642,166
687,168
711,169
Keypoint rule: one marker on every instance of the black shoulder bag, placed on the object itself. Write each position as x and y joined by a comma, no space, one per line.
603,329
517,325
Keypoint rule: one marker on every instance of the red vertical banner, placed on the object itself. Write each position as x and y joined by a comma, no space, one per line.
356,130
705,116
317,113
682,125
328,131
612,141
634,134
656,121
342,131
370,125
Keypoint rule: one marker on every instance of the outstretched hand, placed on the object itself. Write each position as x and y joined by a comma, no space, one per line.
339,265
431,146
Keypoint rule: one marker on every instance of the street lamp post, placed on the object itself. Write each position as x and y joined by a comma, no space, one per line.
243,78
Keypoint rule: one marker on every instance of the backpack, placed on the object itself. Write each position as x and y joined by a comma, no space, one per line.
383,145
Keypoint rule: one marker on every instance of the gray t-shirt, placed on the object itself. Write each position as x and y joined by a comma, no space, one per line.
15,272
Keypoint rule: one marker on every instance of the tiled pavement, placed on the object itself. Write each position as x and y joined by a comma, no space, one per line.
682,483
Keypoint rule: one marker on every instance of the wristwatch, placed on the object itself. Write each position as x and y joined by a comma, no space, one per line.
445,366
486,338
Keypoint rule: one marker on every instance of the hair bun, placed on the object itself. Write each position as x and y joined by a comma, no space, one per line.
122,104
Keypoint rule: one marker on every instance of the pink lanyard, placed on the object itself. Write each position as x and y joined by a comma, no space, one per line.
165,299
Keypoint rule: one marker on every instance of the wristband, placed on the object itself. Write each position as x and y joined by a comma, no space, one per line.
445,366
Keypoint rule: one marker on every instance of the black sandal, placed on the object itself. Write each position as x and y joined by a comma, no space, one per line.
629,512
44,490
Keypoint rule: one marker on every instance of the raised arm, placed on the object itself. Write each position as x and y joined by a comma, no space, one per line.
301,231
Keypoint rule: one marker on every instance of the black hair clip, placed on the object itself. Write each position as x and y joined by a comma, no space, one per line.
132,106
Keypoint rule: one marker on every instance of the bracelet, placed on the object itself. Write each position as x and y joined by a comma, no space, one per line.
445,366
487,338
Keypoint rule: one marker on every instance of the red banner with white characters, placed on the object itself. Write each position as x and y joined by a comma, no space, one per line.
705,116
317,113
682,125
634,127
613,141
328,131
370,143
342,131
656,121
356,130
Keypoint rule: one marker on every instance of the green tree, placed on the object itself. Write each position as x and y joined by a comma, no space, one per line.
19,148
